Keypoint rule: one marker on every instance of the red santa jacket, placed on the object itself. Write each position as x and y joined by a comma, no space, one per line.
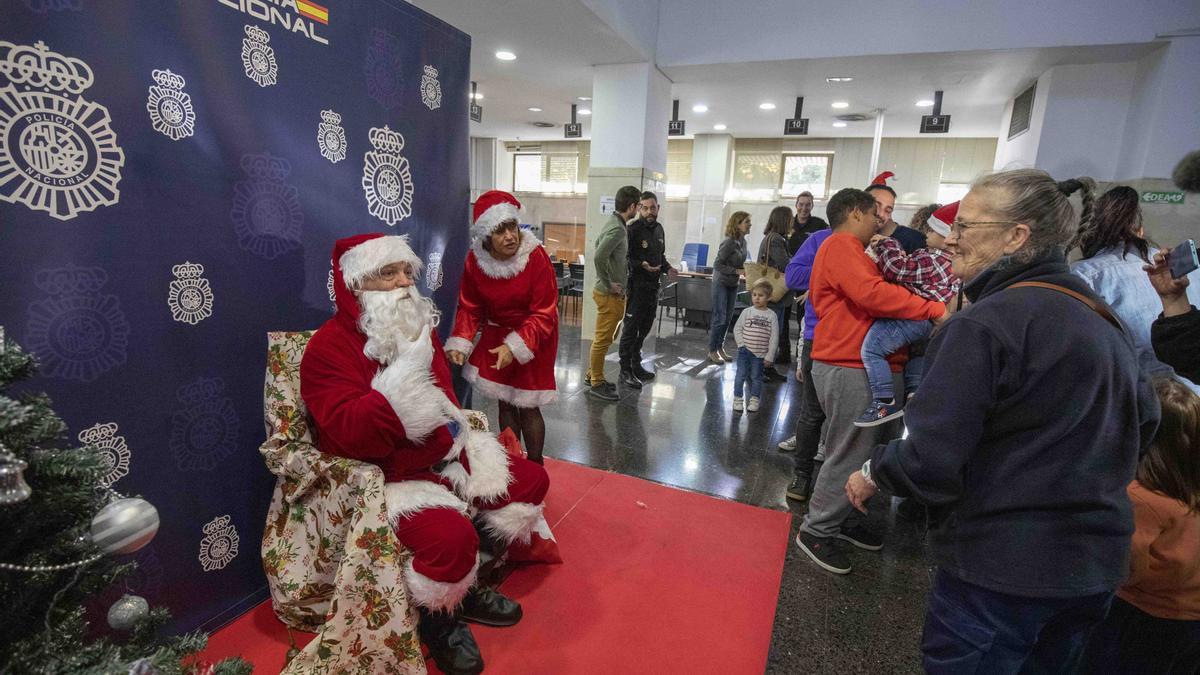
353,417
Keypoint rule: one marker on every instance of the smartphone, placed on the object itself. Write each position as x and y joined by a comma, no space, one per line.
1182,259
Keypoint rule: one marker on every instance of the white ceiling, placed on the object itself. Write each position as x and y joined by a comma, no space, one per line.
557,43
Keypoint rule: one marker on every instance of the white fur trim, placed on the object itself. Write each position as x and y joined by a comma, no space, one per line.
407,497
459,344
521,398
408,384
489,476
489,220
938,226
518,347
512,522
505,269
440,596
373,255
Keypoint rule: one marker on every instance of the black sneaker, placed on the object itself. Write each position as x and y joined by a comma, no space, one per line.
862,538
642,374
800,488
605,391
772,375
627,378
824,552
488,607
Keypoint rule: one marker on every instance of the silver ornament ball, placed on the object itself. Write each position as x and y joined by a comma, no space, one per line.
125,526
126,612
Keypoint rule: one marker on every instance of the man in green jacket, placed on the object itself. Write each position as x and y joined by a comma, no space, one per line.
612,273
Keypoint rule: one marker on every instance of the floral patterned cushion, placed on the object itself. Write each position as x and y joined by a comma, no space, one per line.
332,562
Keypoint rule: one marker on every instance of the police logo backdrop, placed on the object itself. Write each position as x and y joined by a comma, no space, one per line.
163,205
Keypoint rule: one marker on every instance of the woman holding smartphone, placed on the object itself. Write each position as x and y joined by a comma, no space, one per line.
1115,252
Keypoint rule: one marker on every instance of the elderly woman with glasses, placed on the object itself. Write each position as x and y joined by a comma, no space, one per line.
1022,440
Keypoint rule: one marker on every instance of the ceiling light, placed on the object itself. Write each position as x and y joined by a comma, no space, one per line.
719,127
840,104
506,56
839,125
535,109
839,79
766,106
477,97
585,98
924,103
699,108
585,111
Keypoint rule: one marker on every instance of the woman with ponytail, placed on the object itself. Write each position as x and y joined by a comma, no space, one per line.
1115,252
1022,439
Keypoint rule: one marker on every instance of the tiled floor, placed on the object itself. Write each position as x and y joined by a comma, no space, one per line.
681,430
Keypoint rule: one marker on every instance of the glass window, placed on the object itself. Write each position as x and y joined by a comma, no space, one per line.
755,175
952,192
527,173
807,172
679,169
559,172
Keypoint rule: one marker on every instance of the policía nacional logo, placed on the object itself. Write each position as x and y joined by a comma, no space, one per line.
219,546
331,137
204,431
387,180
384,68
112,448
78,332
431,89
171,112
258,58
433,271
190,297
266,211
57,154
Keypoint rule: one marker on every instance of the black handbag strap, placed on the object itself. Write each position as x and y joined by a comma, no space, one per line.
1092,304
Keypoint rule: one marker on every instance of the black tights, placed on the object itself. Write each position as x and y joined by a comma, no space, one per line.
528,425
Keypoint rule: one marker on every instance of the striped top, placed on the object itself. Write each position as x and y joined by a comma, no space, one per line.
757,331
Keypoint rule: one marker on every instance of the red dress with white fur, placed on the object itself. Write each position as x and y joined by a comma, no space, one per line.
512,302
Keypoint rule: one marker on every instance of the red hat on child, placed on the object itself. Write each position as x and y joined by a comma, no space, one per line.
941,219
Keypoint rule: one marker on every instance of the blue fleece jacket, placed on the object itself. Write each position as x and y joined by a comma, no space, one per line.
798,271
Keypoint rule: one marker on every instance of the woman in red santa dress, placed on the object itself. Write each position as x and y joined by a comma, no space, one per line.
509,294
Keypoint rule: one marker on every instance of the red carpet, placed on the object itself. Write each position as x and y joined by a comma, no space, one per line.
655,580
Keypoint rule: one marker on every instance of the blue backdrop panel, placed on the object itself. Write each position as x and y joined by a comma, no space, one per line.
173,175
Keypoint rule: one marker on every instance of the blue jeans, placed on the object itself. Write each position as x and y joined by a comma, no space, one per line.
885,337
969,629
723,300
749,368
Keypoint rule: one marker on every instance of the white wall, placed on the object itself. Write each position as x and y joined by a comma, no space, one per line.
1021,151
1164,122
717,31
634,20
1086,108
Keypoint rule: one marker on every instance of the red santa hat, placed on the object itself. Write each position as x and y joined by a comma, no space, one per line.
941,219
491,209
365,254
882,179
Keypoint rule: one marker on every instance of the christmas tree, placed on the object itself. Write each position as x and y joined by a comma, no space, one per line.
64,531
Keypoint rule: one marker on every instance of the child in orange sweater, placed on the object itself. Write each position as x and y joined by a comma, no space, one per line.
1154,623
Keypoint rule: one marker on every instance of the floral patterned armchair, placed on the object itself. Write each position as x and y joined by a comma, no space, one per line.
332,562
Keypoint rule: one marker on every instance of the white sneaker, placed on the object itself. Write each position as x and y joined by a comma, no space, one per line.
788,445
737,403
753,405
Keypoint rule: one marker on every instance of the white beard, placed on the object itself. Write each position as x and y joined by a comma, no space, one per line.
393,320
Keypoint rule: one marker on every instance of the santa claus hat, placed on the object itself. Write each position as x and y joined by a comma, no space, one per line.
941,219
882,179
492,208
366,254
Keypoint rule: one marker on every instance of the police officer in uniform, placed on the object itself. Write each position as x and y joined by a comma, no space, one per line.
647,264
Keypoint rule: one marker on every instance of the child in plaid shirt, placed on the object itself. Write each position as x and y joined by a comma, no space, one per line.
927,273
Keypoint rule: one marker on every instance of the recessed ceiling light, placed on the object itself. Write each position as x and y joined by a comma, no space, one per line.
719,127
840,104
506,56
535,109
839,125
585,98
585,111
766,106
839,79
699,108
924,103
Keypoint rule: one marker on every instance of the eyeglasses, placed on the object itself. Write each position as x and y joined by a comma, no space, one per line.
957,227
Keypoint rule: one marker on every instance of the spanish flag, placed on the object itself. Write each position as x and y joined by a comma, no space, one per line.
313,11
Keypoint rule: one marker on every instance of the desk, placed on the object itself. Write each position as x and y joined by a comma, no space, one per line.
694,275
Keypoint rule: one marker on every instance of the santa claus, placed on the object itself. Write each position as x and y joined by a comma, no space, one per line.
378,390
509,297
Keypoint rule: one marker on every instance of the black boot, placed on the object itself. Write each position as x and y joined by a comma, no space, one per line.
629,379
488,607
641,373
450,643
801,487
